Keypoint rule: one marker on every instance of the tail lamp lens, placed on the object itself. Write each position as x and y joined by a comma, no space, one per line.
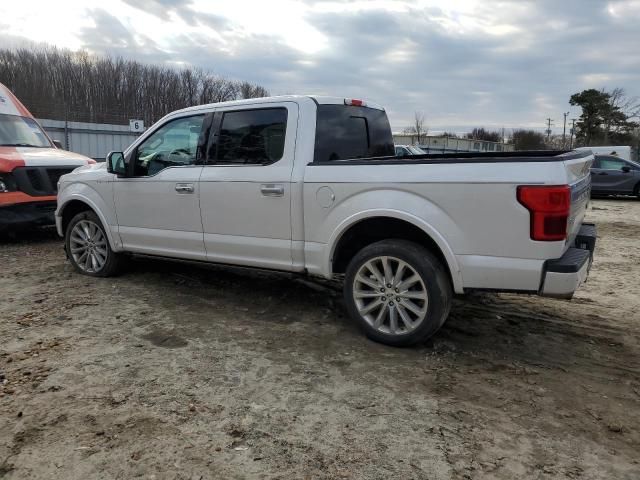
549,207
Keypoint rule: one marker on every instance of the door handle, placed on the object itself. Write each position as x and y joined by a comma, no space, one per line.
184,187
271,190
603,173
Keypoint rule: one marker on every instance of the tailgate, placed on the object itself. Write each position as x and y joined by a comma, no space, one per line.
579,179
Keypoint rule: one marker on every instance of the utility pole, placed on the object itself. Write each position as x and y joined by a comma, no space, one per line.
573,129
564,130
549,123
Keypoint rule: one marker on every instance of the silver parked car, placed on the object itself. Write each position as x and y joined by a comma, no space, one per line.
407,150
611,175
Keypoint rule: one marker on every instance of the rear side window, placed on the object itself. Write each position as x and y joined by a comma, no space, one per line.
345,132
252,136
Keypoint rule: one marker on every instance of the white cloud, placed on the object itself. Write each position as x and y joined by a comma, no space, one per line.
463,62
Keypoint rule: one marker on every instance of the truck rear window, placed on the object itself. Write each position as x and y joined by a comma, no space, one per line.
344,132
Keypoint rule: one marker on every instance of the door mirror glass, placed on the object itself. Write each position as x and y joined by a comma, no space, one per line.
116,163
58,144
626,169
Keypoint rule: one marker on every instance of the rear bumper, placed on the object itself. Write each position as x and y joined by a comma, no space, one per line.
562,277
23,215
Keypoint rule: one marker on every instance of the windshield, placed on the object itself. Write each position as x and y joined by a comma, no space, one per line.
416,150
18,131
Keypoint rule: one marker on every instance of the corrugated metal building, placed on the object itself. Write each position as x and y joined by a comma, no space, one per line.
95,140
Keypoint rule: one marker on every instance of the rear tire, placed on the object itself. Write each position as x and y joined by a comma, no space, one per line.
88,249
397,292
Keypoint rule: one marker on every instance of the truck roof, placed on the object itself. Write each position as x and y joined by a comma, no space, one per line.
318,99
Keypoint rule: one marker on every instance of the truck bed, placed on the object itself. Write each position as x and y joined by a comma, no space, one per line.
529,156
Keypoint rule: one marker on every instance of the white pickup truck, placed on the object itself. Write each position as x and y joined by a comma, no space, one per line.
311,185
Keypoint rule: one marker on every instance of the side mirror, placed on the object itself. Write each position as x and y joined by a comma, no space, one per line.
626,169
116,163
58,144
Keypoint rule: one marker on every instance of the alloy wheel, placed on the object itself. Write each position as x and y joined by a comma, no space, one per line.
88,246
390,295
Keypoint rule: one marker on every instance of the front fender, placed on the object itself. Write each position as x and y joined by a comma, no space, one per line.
105,209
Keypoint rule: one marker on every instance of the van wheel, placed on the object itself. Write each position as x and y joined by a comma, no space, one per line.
88,248
398,292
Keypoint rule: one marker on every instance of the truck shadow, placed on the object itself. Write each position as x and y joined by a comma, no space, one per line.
495,327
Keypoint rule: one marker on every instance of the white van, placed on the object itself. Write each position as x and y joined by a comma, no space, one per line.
619,151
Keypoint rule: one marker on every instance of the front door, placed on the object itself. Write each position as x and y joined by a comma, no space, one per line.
157,207
607,176
245,189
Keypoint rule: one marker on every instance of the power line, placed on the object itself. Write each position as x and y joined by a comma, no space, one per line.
549,124
573,129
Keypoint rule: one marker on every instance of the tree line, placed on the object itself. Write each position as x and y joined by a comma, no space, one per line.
78,86
607,118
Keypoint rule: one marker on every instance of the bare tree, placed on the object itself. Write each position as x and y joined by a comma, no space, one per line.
418,128
621,109
61,84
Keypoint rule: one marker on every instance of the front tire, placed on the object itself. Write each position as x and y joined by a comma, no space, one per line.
397,292
88,249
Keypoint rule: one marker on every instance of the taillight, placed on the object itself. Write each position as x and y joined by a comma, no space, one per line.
549,207
354,102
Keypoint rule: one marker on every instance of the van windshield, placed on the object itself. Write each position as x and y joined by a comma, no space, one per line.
18,131
347,132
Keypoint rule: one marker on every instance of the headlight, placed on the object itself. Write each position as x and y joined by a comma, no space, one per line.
7,184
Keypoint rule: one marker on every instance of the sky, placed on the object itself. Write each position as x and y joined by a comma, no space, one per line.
462,63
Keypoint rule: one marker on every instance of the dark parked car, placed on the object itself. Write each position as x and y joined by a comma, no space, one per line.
611,175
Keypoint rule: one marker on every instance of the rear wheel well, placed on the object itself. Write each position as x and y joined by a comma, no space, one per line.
70,210
372,230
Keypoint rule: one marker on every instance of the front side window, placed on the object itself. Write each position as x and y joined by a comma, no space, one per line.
611,163
253,137
21,132
175,144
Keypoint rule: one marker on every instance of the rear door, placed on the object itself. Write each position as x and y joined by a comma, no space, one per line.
245,187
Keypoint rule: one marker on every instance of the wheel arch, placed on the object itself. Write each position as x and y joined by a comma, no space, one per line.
75,204
366,228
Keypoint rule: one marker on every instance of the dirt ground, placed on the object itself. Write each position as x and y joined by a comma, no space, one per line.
176,371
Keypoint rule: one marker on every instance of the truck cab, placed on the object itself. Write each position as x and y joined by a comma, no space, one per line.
30,167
